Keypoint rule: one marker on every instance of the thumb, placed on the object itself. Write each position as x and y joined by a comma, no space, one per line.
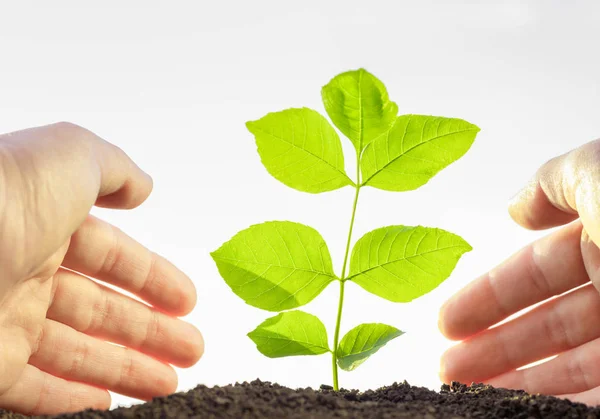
564,189
54,175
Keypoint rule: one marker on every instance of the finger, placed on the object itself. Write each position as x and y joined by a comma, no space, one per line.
591,258
532,275
104,252
562,190
589,397
39,393
103,313
74,356
77,164
66,164
554,327
572,371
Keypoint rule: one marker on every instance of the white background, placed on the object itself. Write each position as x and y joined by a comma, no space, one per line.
172,83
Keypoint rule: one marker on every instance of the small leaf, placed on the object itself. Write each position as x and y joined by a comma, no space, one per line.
358,104
289,334
401,263
362,342
414,150
300,149
277,265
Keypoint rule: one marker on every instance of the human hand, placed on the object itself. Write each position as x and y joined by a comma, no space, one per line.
565,189
55,322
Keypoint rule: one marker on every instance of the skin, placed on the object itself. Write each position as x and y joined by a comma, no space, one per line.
55,322
565,192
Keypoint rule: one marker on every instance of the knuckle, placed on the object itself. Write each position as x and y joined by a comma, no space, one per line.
75,136
556,330
68,131
577,372
499,303
127,370
80,357
100,314
547,172
584,162
150,278
539,278
112,258
153,330
66,126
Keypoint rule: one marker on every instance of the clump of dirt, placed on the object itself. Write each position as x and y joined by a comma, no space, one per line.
264,400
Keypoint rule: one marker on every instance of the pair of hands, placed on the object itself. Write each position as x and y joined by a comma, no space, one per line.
56,322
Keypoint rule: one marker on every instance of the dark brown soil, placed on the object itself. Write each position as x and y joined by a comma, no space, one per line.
263,400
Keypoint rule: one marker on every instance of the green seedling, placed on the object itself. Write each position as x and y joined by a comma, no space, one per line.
280,265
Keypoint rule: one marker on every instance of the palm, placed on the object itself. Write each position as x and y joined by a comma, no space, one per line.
566,325
31,296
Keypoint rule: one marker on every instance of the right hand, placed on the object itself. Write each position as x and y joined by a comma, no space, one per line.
565,189
55,322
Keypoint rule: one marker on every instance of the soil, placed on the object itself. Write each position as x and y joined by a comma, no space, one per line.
263,400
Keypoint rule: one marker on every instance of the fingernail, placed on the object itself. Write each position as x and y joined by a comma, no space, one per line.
441,316
513,199
522,192
443,366
150,180
441,372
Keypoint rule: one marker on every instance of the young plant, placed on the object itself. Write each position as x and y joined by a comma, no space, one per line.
281,265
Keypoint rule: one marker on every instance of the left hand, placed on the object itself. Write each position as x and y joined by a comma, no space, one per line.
57,324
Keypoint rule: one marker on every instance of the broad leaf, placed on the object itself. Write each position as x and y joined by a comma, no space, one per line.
414,150
277,265
358,104
299,148
289,334
362,342
401,263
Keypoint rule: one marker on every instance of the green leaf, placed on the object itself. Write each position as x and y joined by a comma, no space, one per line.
362,342
401,263
289,334
277,265
358,104
414,150
300,149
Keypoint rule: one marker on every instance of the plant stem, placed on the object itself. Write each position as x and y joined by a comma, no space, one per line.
336,337
338,322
